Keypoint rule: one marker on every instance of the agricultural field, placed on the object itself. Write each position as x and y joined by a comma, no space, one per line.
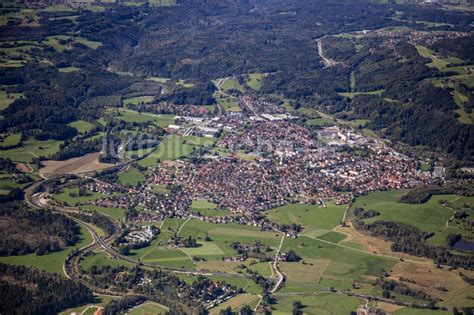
338,267
132,177
315,220
101,259
148,308
10,140
70,196
81,126
232,84
138,100
131,116
116,213
317,303
442,64
174,147
7,98
206,208
235,303
31,148
52,262
229,103
429,217
351,95
255,81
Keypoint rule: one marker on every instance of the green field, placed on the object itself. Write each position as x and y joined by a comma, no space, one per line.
428,217
138,100
7,98
232,84
128,115
102,259
131,176
116,213
52,262
11,140
441,63
338,266
64,196
148,308
228,103
68,69
175,147
354,94
204,249
81,126
319,122
31,148
206,208
317,304
255,81
315,220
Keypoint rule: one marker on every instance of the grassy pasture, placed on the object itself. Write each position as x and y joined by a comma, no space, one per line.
81,126
7,98
255,81
175,147
138,100
207,208
131,176
229,103
429,217
314,219
116,213
232,84
344,266
31,148
319,303
319,122
11,139
52,262
64,196
351,95
68,69
236,303
441,63
128,115
102,259
148,308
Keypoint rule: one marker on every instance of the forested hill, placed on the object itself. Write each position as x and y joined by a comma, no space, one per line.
114,51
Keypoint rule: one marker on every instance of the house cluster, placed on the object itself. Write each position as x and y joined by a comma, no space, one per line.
145,235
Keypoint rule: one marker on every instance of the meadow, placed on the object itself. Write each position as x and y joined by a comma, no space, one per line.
429,217
174,147
138,100
7,98
148,308
314,219
11,140
81,126
131,176
317,303
116,213
52,262
101,259
31,148
65,196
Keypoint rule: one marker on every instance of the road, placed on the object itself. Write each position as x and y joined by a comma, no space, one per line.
275,267
328,62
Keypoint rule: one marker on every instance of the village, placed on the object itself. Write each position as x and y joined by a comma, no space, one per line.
284,162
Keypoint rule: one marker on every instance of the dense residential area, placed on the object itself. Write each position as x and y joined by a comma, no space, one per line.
236,157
